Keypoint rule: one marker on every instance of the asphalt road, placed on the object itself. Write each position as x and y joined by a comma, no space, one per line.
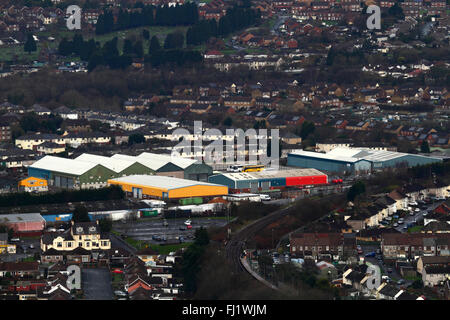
96,284
418,216
145,230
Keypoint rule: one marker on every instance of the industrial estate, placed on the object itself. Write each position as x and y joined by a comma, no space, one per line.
239,150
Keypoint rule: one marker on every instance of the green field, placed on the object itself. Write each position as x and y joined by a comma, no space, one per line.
18,55
161,249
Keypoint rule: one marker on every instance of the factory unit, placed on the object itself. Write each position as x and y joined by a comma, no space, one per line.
269,179
356,160
23,222
89,171
70,173
167,165
163,187
119,166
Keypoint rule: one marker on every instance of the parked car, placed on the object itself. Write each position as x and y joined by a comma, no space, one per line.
182,228
265,197
416,210
120,293
189,226
156,238
15,239
401,281
395,225
389,270
370,254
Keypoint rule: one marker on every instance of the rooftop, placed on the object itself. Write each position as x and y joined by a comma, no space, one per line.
161,182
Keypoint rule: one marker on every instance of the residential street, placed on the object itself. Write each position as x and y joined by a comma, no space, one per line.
96,284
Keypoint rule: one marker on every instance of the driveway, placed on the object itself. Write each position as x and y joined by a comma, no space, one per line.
96,284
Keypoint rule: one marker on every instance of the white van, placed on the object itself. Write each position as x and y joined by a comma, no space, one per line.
265,197
235,168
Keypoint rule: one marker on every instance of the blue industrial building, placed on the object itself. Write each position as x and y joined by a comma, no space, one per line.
356,160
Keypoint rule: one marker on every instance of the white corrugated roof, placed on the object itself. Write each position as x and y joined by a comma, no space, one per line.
21,217
324,156
178,161
69,166
114,164
152,164
162,182
356,154
271,174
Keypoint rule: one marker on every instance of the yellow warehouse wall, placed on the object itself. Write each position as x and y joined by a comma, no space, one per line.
186,192
198,191
150,191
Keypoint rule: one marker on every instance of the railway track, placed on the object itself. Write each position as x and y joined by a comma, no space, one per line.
235,246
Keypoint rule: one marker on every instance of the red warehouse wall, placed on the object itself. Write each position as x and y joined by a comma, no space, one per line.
308,180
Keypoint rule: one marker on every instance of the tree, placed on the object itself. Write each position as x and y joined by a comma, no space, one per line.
80,214
425,147
138,49
174,40
154,45
127,47
355,190
228,121
30,44
201,237
308,127
136,138
65,47
146,34
105,225
417,284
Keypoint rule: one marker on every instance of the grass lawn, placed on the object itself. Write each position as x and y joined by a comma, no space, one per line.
28,259
161,249
166,249
415,229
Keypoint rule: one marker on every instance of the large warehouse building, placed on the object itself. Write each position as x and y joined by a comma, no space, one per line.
268,179
162,187
93,171
356,160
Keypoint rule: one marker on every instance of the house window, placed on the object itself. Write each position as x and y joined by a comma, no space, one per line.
69,244
59,244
